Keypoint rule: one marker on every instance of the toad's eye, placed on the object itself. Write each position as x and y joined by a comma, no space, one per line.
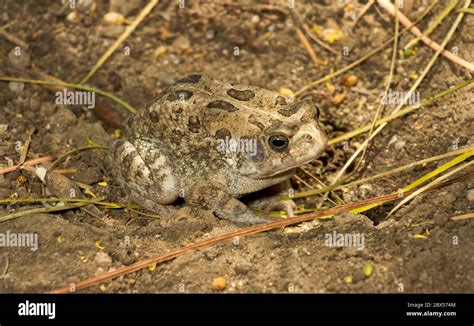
278,143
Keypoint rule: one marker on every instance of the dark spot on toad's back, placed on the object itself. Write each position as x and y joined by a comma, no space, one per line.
246,95
223,133
280,100
291,109
222,105
154,116
179,96
191,79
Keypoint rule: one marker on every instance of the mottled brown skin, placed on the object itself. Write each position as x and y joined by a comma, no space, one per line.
171,146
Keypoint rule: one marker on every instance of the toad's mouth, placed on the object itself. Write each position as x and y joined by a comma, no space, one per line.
280,168
287,171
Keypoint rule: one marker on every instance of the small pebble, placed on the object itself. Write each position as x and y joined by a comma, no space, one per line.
242,269
182,43
210,34
16,87
359,276
337,99
286,92
255,19
219,283
73,17
399,144
114,18
102,258
350,81
469,196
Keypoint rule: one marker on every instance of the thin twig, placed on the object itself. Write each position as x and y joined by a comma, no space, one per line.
11,216
74,151
402,112
360,60
428,186
340,185
444,13
308,47
14,39
129,30
462,217
127,106
385,4
414,86
299,21
7,265
387,87
28,163
362,12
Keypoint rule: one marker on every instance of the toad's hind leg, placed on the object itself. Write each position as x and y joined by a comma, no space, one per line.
145,173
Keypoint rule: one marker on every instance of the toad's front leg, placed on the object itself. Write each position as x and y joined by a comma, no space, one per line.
223,205
267,199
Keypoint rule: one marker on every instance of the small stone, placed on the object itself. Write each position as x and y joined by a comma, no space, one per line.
219,283
182,43
469,196
114,18
350,81
399,144
102,258
359,276
242,269
210,34
16,87
3,128
337,99
126,7
86,5
73,17
286,92
255,19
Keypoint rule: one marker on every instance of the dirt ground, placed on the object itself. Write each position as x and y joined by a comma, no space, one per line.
173,42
